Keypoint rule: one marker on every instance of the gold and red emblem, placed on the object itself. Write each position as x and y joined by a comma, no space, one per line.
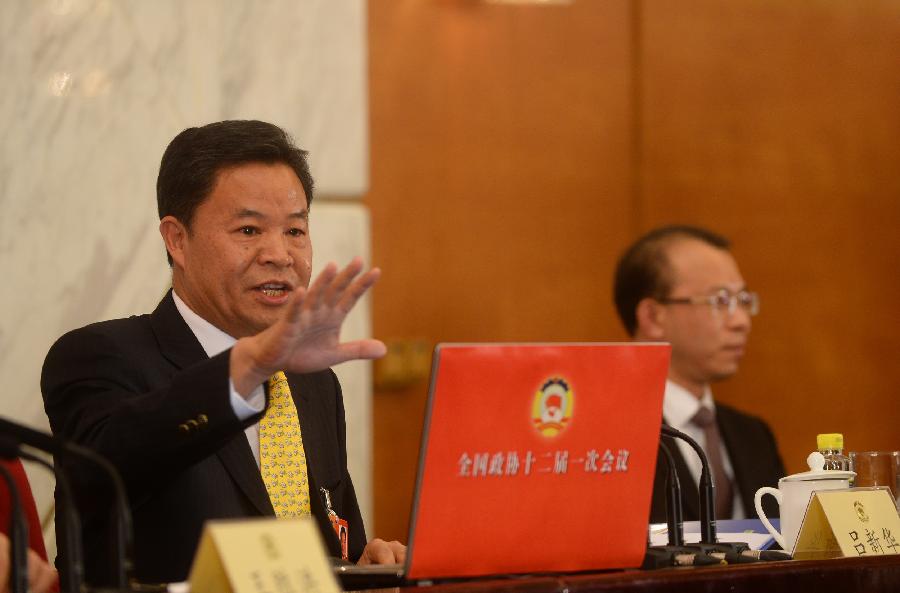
551,410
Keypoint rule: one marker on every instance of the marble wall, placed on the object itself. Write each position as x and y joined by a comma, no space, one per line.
92,91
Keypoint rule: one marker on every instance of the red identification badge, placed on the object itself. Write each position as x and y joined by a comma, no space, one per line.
341,529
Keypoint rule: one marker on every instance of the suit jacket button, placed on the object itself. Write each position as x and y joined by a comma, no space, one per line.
192,424
202,419
184,428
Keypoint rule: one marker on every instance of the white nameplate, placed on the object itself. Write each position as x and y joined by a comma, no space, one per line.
265,555
852,523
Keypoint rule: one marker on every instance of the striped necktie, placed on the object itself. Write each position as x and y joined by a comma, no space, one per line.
282,459
706,419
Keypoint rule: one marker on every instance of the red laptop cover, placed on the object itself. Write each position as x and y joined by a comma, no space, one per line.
537,458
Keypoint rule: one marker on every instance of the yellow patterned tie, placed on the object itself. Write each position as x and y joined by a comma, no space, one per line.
282,459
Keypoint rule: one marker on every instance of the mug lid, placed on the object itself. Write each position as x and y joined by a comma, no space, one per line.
822,474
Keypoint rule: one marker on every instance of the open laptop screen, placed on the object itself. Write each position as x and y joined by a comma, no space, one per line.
537,457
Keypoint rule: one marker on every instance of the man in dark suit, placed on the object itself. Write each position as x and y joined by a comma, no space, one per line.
680,284
220,403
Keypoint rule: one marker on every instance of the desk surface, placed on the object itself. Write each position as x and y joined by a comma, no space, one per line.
844,575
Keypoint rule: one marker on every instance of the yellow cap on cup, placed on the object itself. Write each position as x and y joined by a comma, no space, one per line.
834,440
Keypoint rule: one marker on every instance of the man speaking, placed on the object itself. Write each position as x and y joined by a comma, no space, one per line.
221,402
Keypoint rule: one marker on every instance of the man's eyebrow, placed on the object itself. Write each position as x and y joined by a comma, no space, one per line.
728,288
248,213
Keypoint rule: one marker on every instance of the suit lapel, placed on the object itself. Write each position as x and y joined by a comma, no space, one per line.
238,459
311,426
178,344
310,422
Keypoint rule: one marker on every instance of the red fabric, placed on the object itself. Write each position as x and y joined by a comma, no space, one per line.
35,535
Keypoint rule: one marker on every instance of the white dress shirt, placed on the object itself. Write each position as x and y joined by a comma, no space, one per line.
215,341
679,406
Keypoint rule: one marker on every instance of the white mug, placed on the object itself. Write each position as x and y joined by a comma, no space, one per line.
793,496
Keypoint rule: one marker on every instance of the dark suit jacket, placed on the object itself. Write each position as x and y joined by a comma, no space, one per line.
754,458
142,392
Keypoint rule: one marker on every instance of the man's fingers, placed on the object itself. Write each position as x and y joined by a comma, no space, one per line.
358,288
381,554
342,289
320,285
295,305
44,580
362,350
4,564
47,579
379,551
399,551
307,337
40,575
357,350
342,280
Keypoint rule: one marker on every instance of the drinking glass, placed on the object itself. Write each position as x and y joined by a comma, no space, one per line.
875,468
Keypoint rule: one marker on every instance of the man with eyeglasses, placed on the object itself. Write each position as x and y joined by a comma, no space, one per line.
680,284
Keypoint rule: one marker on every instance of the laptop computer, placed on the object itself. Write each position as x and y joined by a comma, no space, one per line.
534,458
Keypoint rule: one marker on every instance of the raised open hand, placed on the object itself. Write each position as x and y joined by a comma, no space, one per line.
306,338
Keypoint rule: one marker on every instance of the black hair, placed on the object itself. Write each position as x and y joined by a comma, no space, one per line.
194,158
644,271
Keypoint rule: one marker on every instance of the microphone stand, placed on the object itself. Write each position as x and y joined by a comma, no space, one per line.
62,450
675,553
706,487
74,557
18,538
124,531
709,543
674,517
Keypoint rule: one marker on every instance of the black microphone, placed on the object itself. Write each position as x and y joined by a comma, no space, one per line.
674,517
61,449
74,557
706,487
24,435
707,491
18,538
675,553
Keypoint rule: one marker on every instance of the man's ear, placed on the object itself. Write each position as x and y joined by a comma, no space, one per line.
651,317
174,234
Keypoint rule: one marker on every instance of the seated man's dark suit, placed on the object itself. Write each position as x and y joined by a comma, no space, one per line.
754,459
142,392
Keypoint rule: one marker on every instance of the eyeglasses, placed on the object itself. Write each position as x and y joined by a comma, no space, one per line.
723,300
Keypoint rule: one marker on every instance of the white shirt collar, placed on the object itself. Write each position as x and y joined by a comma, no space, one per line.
680,405
213,340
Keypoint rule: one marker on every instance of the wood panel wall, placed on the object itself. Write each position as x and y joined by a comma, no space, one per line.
779,124
516,150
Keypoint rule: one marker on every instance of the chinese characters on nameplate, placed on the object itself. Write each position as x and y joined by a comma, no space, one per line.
850,523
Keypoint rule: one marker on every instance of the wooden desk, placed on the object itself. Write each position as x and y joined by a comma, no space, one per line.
845,575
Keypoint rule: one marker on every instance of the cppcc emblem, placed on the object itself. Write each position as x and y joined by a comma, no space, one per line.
552,407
